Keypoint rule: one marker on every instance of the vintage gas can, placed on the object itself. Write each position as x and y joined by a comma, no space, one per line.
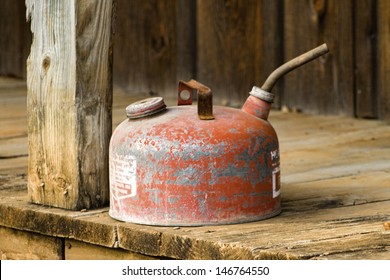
196,165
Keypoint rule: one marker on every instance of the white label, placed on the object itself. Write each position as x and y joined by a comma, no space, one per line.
275,173
276,182
275,155
124,176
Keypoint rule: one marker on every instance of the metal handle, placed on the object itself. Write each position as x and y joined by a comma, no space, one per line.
205,98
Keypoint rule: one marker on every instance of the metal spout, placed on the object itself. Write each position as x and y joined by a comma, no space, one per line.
292,64
260,99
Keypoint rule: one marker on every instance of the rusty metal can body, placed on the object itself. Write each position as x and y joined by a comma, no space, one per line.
173,169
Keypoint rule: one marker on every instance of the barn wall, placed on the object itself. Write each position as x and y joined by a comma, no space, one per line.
15,38
231,45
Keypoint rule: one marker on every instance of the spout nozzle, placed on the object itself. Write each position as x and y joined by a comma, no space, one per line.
292,64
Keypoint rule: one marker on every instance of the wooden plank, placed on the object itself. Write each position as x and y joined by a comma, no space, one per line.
20,245
12,100
351,246
154,45
13,131
335,156
14,127
366,254
364,58
13,183
69,102
337,191
232,54
383,59
324,146
11,83
305,235
14,166
13,147
324,86
287,236
76,250
94,226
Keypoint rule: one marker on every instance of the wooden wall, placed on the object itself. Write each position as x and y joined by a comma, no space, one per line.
231,45
15,38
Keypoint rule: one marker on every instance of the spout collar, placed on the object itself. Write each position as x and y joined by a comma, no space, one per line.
262,94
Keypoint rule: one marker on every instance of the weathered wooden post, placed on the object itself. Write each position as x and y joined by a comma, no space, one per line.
69,104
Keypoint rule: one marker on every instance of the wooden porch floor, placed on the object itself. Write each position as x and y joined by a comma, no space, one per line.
335,195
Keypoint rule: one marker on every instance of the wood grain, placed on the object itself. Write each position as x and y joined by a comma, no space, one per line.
272,55
15,38
231,46
69,102
154,45
76,250
20,245
365,91
324,86
383,59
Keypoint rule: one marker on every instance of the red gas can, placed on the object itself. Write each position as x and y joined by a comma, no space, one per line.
195,165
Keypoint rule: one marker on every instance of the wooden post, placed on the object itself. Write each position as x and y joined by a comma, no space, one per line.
69,104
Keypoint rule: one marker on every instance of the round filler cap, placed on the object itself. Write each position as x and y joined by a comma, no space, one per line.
145,107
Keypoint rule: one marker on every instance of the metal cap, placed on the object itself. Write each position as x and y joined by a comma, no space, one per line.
262,94
145,107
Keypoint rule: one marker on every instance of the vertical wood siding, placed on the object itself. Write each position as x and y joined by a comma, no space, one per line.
231,45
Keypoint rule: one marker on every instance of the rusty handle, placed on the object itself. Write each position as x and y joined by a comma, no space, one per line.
205,98
292,64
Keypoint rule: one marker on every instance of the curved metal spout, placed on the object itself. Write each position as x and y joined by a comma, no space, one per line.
292,64
259,102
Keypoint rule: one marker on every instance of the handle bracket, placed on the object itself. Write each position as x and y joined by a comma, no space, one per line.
205,98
